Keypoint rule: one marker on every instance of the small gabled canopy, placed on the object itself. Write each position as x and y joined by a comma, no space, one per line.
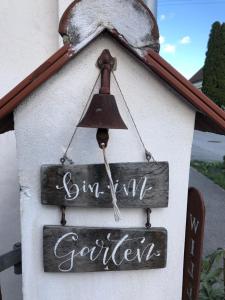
135,28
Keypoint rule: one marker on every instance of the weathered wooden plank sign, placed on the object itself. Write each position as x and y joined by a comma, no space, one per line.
76,249
136,184
193,245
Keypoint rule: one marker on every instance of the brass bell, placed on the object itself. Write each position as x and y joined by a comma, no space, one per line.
103,112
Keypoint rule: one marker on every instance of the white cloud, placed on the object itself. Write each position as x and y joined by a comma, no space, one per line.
162,17
162,39
185,40
169,48
166,17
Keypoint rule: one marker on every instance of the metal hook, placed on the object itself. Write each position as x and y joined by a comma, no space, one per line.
148,155
64,159
63,218
148,213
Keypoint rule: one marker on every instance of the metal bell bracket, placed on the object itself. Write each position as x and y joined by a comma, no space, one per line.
103,112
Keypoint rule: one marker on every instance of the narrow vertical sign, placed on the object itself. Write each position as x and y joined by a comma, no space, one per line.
193,245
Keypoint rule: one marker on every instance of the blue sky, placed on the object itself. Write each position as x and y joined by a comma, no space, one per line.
184,27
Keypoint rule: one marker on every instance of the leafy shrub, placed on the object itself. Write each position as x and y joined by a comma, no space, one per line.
212,277
213,170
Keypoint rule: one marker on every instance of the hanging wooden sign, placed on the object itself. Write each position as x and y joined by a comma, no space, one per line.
136,184
193,245
76,249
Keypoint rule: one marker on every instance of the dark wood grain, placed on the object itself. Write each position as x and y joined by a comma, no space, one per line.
76,249
193,245
138,185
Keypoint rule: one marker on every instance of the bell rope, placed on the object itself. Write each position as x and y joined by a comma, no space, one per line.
117,213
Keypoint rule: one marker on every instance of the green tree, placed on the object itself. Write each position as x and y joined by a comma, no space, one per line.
214,69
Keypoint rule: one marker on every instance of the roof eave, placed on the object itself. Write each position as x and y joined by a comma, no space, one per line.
151,60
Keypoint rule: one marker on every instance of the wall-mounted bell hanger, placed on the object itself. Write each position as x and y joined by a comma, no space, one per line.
103,112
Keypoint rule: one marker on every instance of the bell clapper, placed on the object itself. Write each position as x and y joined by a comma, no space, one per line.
102,137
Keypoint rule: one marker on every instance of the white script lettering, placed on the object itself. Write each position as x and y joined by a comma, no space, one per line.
104,251
194,223
133,189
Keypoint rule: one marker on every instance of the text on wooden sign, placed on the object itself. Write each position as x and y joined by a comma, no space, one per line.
136,185
75,249
193,245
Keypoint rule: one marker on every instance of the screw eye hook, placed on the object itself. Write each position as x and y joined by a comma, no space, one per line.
148,214
63,218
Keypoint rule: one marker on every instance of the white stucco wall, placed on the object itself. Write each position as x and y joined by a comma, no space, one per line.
62,6
9,213
28,35
44,125
198,85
